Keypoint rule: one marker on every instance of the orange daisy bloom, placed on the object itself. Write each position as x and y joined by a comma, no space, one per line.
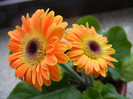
90,50
37,48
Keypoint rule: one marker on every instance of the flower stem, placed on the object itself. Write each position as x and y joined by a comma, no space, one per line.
72,73
91,79
87,80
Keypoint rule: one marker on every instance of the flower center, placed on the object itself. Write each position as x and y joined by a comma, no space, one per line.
35,51
32,48
94,47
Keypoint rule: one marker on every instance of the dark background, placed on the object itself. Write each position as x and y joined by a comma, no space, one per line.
12,10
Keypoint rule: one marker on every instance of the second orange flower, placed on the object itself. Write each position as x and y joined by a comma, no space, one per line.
90,50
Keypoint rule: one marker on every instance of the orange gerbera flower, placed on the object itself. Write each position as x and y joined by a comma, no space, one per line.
89,50
37,48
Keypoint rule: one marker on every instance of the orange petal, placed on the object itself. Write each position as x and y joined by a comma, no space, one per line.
78,33
46,82
40,24
107,46
55,73
102,64
44,18
25,26
95,65
75,53
49,31
39,76
35,19
19,34
28,19
75,57
13,56
76,45
45,74
44,65
67,44
63,24
71,37
110,51
102,72
75,62
109,63
50,59
49,48
28,76
84,28
13,48
62,58
48,21
38,86
104,39
19,29
58,19
77,26
15,35
89,67
60,48
37,67
17,63
80,69
34,76
14,42
93,31
58,31
53,40
12,62
96,74
82,61
20,71
110,58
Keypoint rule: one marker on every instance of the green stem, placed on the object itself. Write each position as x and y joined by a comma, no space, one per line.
72,73
91,79
87,80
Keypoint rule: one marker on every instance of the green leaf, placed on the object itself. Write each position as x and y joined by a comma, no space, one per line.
92,22
109,98
110,91
98,85
23,91
117,37
91,93
66,93
11,52
57,85
127,70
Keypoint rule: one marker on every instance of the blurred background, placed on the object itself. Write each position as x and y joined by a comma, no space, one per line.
12,10
107,12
